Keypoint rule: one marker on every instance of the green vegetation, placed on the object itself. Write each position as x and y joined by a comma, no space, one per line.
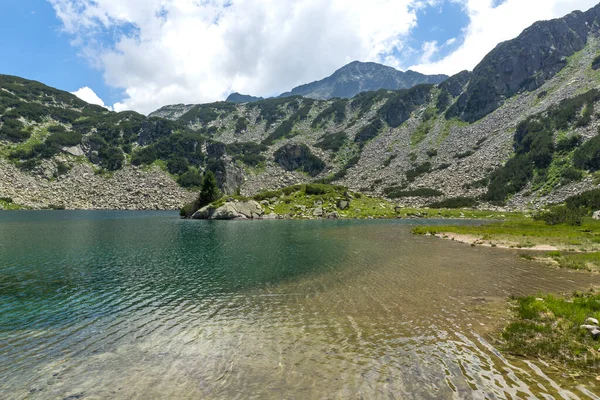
465,154
204,114
337,109
596,63
6,203
579,261
524,233
272,110
241,125
389,160
285,128
535,149
402,103
209,192
396,192
368,132
332,141
366,100
548,327
455,202
247,152
417,171
344,170
421,133
298,201
573,211
299,157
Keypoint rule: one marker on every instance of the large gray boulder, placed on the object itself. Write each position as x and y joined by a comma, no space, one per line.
231,210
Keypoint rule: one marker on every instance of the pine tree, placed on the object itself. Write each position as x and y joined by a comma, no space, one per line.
209,191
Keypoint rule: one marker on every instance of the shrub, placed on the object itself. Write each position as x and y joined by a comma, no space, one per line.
587,156
241,125
189,179
13,130
567,144
465,154
455,202
432,153
368,132
389,160
337,110
177,165
209,191
562,215
418,171
396,192
332,141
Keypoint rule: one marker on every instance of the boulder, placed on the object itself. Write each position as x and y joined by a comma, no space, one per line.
318,212
231,210
343,204
333,215
271,216
250,209
589,327
226,211
592,321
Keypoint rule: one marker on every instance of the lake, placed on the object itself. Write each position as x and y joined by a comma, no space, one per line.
143,305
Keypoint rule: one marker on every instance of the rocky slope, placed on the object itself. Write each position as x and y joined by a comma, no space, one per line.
358,77
518,132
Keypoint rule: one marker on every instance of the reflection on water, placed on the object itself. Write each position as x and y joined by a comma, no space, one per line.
143,305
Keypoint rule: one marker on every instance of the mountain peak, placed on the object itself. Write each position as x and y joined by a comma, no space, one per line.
242,98
358,76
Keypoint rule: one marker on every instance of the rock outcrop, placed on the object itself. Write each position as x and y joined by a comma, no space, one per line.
231,210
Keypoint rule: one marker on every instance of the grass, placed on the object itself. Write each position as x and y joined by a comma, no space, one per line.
8,204
523,232
297,202
421,132
548,327
579,261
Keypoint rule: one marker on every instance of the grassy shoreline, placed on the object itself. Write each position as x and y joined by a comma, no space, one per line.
544,326
549,327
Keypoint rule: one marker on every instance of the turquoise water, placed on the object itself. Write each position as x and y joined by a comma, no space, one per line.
144,305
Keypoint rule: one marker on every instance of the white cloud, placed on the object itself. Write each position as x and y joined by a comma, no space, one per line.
190,51
198,51
89,96
491,25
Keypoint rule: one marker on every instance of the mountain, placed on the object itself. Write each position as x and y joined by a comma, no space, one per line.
518,132
525,63
242,98
358,77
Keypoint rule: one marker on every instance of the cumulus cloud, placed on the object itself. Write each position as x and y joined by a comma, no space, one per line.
491,24
89,96
170,51
189,51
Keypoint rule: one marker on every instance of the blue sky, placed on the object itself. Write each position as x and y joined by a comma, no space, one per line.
35,47
142,54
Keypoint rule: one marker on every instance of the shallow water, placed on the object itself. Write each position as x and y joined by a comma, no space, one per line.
142,305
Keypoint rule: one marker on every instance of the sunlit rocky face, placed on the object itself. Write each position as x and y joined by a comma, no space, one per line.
144,305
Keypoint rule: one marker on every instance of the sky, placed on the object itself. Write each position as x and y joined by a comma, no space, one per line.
143,54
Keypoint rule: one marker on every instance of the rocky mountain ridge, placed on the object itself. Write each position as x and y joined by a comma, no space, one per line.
358,77
510,134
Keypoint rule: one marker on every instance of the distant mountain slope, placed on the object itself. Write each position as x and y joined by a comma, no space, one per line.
358,77
242,98
520,131
524,63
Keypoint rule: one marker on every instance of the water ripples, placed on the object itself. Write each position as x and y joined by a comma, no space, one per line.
142,305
